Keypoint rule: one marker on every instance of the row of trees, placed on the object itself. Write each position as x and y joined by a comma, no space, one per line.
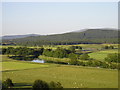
37,85
108,47
95,63
74,58
84,60
22,53
58,53
40,84
65,53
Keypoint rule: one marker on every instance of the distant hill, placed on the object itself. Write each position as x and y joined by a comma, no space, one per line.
85,36
18,36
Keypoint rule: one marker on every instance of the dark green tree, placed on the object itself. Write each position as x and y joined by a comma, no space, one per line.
73,59
55,85
4,50
106,47
60,53
72,48
84,57
111,47
8,83
40,85
115,57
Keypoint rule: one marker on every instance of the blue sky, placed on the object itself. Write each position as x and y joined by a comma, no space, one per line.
57,17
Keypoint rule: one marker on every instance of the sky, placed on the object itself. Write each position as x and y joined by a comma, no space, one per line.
45,18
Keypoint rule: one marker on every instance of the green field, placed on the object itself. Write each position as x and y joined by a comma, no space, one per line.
89,46
94,46
100,55
23,74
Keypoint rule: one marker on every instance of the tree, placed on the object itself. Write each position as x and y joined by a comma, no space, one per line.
9,50
55,85
60,53
108,47
113,66
40,85
78,47
113,58
4,85
48,52
111,47
72,48
73,59
84,57
8,83
4,50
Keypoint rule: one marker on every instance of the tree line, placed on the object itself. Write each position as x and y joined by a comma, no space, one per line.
22,53
37,85
83,59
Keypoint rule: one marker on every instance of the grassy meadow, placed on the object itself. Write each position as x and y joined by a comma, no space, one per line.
101,55
24,73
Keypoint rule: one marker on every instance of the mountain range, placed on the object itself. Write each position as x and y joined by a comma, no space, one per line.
18,36
77,37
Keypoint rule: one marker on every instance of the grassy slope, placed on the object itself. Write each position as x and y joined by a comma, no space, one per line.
70,76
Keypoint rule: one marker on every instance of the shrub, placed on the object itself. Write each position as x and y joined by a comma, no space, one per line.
40,85
73,56
73,62
108,47
81,63
72,49
8,83
105,65
55,85
4,85
88,63
113,66
73,59
113,58
84,57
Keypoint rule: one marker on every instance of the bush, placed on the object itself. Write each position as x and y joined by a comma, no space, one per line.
40,85
113,66
55,85
73,59
8,83
105,65
108,47
89,63
73,56
81,63
85,57
73,62
72,49
113,58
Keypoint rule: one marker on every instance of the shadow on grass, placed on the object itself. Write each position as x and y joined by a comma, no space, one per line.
22,69
22,85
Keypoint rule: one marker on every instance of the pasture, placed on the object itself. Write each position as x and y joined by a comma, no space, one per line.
24,74
85,46
101,55
9,64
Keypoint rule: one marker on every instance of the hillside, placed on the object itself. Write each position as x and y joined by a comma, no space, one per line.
87,36
18,36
